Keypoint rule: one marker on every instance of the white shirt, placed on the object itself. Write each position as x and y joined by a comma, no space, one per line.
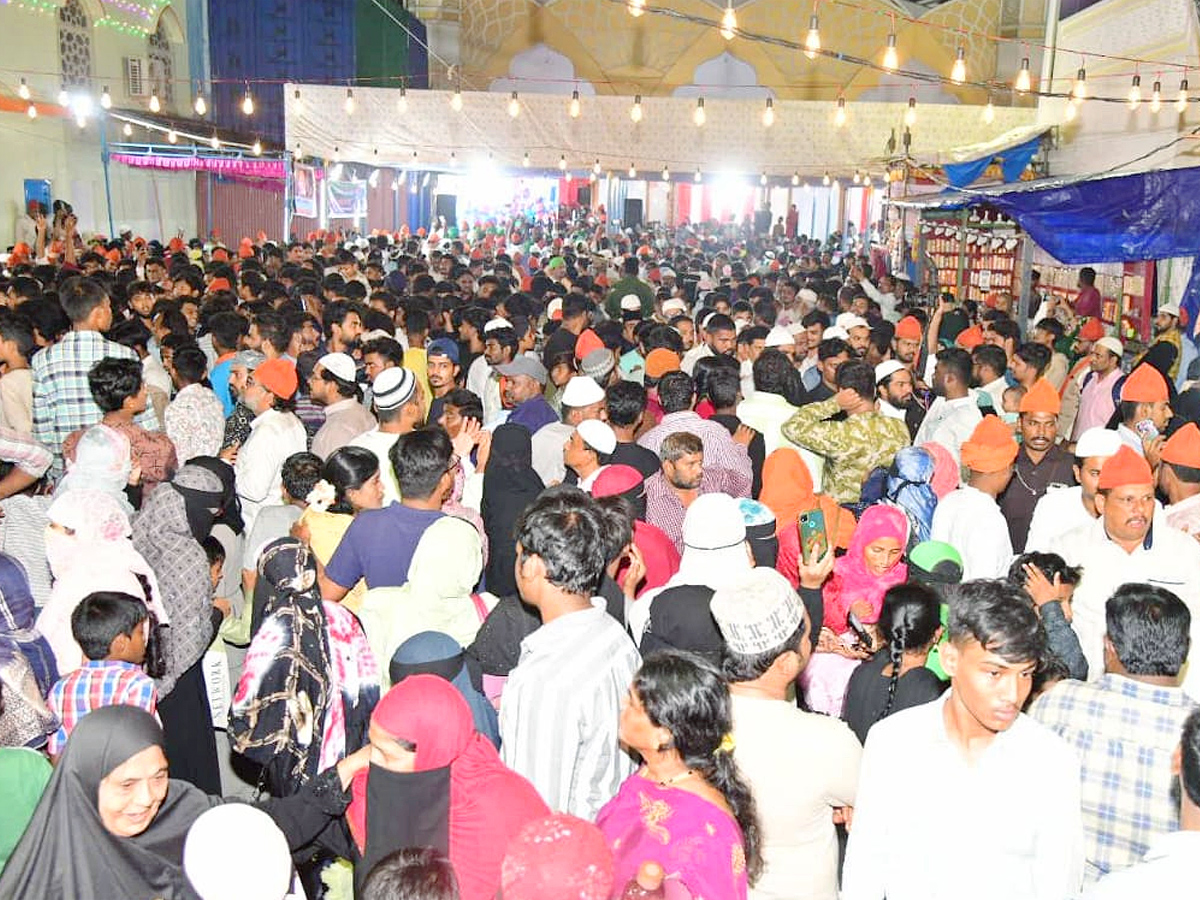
995,390
929,825
548,452
892,412
379,443
1058,511
1168,870
887,302
274,436
971,522
766,413
1172,561
688,363
949,423
799,844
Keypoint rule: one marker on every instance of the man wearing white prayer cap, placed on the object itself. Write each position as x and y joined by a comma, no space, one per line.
768,634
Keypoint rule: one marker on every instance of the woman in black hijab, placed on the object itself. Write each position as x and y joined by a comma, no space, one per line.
509,485
94,836
112,822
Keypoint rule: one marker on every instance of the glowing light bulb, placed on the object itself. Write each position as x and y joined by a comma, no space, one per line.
525,159
857,177
795,179
635,111
201,105
866,180
910,114
698,177
155,105
825,179
1022,83
456,101
763,179
891,59
562,163
839,115
256,148
596,167
1181,101
768,117
632,171
1079,90
81,120
215,142
729,22
23,91
248,103
1156,97
989,113
106,98
1135,92
666,174
636,7
574,108
698,115
958,72
514,105
402,100
349,104
32,112
812,43
127,130
172,137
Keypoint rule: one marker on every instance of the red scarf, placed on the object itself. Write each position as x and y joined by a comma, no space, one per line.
489,803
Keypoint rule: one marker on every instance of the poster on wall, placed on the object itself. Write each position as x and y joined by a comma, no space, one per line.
347,199
38,189
304,188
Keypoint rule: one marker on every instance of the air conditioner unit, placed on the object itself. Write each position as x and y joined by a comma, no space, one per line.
137,76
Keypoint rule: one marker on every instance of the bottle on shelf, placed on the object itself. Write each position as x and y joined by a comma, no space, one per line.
647,885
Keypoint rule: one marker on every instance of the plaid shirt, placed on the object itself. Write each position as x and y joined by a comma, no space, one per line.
62,400
97,683
26,454
1124,732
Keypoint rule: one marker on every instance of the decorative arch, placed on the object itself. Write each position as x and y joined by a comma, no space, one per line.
542,70
725,76
170,26
94,9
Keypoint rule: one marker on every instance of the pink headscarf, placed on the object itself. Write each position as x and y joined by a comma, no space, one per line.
945,469
852,581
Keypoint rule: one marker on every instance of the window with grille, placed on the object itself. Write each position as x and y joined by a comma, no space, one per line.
74,44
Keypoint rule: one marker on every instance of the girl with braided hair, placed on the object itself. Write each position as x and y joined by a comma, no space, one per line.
895,678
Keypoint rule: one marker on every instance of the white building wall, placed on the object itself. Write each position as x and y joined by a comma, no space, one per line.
55,148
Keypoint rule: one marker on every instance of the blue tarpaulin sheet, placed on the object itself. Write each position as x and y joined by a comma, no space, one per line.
1126,218
1013,161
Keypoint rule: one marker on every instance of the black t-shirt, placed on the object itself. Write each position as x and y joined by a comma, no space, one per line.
628,454
867,693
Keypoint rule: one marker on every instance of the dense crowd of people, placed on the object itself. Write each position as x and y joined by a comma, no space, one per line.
544,562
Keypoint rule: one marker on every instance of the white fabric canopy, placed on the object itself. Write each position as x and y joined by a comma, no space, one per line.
733,139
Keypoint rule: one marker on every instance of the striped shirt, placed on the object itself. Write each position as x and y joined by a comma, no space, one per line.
561,709
97,683
1124,732
62,400
721,451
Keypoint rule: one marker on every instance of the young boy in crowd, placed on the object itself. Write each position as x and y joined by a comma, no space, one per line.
111,629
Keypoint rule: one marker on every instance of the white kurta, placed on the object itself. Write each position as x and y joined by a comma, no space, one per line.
1007,826
1171,561
971,522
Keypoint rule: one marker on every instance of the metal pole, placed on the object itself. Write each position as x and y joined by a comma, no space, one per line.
104,164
